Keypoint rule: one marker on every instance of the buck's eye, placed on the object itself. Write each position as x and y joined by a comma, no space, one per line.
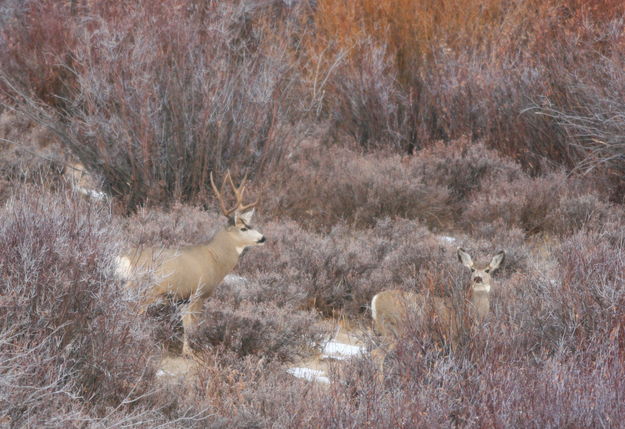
472,270
487,270
244,229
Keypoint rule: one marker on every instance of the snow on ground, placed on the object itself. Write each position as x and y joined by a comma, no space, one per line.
341,351
234,280
309,374
345,345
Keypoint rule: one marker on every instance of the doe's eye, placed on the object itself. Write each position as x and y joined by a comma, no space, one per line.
244,229
487,270
472,270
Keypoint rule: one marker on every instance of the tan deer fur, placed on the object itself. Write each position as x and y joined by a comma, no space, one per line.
392,309
194,272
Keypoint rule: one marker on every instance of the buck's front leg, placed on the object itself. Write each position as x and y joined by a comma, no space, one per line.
150,297
189,320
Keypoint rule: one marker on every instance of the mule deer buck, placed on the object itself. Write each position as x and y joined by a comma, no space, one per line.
194,272
392,309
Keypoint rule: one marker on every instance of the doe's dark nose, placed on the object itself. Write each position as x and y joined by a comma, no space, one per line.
262,240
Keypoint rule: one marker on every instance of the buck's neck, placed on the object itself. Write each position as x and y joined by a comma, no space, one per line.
480,299
224,251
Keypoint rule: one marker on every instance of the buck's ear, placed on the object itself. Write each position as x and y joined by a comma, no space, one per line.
247,216
465,258
497,260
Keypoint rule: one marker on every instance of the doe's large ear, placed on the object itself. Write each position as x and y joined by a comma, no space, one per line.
465,258
247,216
497,260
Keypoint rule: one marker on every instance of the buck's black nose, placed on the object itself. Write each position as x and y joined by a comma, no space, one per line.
262,240
477,280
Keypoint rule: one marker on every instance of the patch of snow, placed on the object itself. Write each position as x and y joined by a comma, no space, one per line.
447,238
161,373
341,351
91,193
309,374
233,279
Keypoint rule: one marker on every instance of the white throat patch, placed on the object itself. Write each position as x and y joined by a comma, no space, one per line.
123,268
481,288
374,315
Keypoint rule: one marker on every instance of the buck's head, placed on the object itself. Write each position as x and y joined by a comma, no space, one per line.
480,276
240,231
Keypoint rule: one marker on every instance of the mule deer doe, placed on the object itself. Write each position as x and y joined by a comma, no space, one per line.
194,272
392,309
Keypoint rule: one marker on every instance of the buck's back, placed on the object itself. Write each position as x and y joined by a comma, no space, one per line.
180,272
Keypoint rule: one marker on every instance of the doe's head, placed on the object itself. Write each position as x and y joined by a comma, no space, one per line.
481,276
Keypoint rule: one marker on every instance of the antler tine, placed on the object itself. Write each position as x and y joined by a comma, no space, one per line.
238,192
248,206
219,194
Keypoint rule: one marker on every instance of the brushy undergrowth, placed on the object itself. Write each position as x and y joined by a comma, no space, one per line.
70,336
137,93
153,97
380,136
261,329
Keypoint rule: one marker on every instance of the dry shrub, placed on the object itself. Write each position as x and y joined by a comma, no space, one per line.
414,30
29,153
565,299
464,166
384,58
37,38
404,76
589,111
261,329
522,203
323,186
153,96
70,334
590,287
536,354
321,268
249,392
434,390
577,212
342,270
183,93
175,226
366,103
552,204
551,348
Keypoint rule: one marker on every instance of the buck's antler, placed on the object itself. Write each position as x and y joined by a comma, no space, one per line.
238,193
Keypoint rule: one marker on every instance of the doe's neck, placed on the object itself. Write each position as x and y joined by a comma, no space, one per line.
480,300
